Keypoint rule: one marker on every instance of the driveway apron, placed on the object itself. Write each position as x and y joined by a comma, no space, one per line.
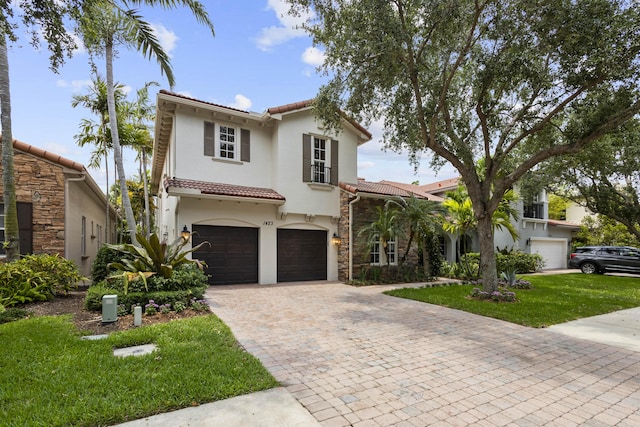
353,356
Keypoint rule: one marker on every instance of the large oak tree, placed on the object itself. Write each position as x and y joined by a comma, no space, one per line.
511,83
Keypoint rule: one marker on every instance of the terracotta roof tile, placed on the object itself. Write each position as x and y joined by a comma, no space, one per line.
414,189
386,188
47,155
224,189
290,107
559,223
445,184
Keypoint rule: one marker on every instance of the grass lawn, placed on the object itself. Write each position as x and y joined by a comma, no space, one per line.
50,377
554,298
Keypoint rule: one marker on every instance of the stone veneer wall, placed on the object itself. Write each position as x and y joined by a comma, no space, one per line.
41,183
364,212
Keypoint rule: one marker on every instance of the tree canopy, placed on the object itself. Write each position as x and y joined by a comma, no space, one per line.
508,81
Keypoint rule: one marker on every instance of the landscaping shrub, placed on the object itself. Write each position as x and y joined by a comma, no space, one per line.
11,314
522,262
36,278
105,256
186,283
93,300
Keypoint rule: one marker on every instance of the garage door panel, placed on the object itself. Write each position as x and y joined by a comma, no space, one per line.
302,255
232,257
552,252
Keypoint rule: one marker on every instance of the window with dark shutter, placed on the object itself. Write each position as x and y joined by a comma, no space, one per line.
245,145
209,139
306,158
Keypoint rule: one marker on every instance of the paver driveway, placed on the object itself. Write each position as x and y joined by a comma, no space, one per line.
353,356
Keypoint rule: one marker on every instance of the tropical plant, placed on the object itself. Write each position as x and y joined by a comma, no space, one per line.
152,257
384,229
103,25
422,217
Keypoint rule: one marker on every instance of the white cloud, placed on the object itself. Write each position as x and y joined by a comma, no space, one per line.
241,102
80,48
75,85
289,26
313,56
167,38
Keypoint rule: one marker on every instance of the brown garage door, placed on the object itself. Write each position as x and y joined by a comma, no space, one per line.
302,255
232,257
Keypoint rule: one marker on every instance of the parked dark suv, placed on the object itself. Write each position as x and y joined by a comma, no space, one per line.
601,259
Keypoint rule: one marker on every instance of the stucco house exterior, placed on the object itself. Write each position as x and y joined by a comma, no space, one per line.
261,188
61,210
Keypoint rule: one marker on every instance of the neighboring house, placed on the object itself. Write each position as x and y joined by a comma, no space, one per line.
261,188
61,210
359,203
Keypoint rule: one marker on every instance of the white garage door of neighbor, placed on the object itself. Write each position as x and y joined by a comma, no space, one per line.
554,252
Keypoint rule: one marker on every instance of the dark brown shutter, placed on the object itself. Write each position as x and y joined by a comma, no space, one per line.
306,158
25,227
334,162
209,139
245,145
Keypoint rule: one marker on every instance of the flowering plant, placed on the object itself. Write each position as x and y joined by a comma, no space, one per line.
151,308
199,305
179,306
164,308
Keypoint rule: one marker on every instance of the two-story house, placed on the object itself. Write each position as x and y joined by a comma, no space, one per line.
260,188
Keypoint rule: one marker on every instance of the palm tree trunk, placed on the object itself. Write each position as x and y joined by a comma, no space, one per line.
117,152
11,229
147,222
106,169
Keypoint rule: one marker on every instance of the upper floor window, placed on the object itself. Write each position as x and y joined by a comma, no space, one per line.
534,209
320,172
227,137
227,142
319,159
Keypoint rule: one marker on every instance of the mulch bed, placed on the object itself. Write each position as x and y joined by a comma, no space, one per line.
91,321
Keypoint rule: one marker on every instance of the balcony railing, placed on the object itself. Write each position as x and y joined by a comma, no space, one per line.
534,210
320,174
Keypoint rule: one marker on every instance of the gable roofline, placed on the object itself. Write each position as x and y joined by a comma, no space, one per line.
443,185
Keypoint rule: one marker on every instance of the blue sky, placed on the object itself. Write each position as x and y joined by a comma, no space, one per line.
256,60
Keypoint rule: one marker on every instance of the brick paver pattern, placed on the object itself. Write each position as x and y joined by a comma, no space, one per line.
354,356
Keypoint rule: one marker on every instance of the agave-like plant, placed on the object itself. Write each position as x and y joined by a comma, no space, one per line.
152,257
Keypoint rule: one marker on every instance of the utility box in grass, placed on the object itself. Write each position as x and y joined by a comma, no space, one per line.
109,308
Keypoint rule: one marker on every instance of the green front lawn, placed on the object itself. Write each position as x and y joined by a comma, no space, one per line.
554,298
50,377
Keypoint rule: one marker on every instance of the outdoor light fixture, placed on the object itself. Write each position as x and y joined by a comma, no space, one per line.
185,233
336,240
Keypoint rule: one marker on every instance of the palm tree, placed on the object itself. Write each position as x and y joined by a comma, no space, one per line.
141,111
11,229
461,218
422,217
98,133
104,24
384,229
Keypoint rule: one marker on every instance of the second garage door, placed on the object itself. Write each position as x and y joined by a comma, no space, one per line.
232,257
302,255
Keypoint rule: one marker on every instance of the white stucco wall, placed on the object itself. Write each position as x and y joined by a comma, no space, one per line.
191,163
263,217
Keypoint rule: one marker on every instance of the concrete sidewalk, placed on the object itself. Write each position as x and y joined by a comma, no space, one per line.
269,408
620,328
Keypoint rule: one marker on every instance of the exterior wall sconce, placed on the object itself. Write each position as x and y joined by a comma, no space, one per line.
336,240
185,234
528,242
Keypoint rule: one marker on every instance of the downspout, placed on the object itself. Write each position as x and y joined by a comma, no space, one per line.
351,203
